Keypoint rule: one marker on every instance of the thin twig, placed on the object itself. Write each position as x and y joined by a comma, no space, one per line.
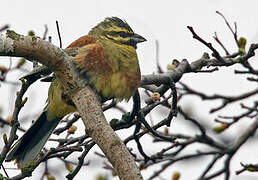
4,27
157,57
45,32
220,43
81,160
233,32
209,45
59,35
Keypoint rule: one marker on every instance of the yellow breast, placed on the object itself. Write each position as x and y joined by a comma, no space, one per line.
112,69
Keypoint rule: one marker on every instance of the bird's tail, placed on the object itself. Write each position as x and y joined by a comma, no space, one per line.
31,143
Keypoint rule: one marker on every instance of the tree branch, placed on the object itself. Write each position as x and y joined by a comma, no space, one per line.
84,98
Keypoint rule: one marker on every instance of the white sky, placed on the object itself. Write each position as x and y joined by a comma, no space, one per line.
163,20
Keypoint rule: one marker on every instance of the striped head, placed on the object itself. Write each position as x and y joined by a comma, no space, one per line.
118,31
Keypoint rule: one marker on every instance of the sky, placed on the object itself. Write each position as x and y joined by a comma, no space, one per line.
164,21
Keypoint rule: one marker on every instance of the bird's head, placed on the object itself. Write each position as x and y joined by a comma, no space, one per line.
118,31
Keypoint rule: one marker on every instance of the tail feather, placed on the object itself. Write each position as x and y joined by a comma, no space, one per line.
31,143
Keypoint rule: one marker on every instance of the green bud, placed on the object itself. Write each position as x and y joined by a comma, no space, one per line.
242,42
24,101
126,117
171,67
72,129
22,81
176,176
113,122
69,167
13,35
21,62
219,129
5,138
50,177
28,168
31,33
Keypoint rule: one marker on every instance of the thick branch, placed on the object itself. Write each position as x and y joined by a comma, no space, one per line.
84,98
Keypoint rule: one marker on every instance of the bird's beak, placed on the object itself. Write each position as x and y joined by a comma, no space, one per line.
137,38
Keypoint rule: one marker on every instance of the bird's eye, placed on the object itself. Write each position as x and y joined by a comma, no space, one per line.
123,34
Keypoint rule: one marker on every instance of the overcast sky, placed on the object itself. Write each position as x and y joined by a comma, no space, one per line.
164,20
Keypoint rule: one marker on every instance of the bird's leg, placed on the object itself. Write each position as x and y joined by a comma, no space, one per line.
136,105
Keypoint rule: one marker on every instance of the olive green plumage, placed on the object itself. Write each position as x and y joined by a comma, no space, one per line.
107,58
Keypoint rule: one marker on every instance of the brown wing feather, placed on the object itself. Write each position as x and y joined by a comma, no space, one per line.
82,41
105,67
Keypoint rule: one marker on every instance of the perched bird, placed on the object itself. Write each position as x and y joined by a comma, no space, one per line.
107,58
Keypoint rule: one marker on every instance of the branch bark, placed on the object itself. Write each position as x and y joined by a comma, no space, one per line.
84,98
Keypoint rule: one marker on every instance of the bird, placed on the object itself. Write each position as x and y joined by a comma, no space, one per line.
107,58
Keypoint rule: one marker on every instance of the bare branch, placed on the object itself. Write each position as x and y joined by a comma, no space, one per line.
220,43
4,27
84,98
230,28
59,34
209,45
